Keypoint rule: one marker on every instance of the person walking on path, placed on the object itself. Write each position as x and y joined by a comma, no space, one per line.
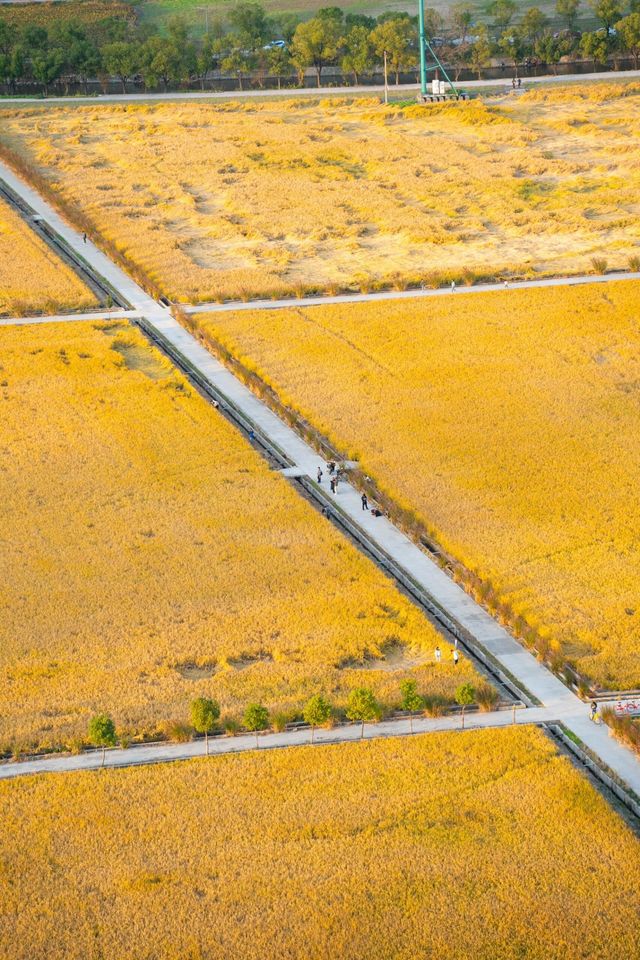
319,474
365,502
593,713
331,467
453,286
334,485
456,657
438,655
84,238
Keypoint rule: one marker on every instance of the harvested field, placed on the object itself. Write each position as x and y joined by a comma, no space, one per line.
299,196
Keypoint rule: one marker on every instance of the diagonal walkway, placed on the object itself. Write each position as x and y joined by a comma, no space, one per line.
542,685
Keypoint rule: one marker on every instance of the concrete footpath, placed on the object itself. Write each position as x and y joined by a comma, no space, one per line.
171,752
410,89
324,301
563,705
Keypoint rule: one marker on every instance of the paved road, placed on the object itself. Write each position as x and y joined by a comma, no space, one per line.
169,752
403,88
70,317
500,646
214,307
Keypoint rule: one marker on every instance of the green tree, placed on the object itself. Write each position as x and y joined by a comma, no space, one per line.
465,695
512,45
102,732
359,20
534,23
205,714
397,37
502,13
250,24
607,12
256,718
121,59
279,63
47,66
595,46
462,17
332,13
236,62
204,60
433,22
568,11
317,712
315,43
480,51
163,59
628,30
285,25
411,699
358,52
363,707
550,50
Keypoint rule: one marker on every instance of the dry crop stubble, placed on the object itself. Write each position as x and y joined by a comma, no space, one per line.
508,421
482,844
298,196
32,278
149,555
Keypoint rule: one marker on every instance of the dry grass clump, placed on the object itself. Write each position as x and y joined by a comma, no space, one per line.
485,844
300,197
508,421
148,555
32,278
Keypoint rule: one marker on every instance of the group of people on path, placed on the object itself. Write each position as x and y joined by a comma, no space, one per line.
336,474
454,654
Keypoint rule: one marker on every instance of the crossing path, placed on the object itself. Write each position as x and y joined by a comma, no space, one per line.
297,302
169,752
458,608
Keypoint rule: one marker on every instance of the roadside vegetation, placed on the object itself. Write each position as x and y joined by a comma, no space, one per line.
32,279
298,197
504,425
150,556
484,844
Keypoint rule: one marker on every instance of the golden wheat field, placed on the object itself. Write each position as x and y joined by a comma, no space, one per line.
302,196
485,844
508,421
32,278
148,555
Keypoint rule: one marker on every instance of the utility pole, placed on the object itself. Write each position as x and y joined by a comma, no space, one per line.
423,49
386,82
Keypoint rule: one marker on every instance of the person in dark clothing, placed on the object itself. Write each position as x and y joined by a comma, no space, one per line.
365,502
331,466
376,512
319,475
334,485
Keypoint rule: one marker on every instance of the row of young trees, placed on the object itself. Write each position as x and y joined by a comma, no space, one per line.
362,707
251,43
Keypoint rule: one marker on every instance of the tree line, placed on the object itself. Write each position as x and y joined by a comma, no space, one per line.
252,44
362,707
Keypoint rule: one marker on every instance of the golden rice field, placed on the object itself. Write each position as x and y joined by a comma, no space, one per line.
314,195
32,278
149,555
508,421
484,844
